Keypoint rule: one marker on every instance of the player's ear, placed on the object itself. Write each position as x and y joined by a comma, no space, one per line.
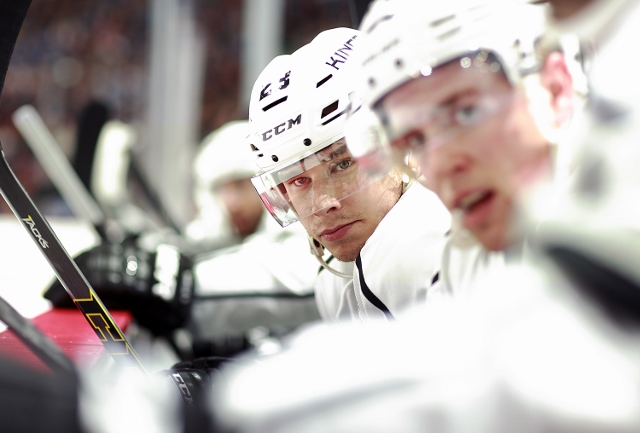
556,79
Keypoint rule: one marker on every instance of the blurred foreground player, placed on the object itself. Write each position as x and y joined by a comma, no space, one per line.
482,115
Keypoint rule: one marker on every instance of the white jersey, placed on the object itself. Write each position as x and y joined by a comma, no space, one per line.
334,295
266,281
509,360
396,265
461,270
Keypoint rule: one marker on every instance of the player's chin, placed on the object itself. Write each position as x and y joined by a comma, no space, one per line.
346,252
493,237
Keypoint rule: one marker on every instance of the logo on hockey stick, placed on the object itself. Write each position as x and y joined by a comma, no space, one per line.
36,233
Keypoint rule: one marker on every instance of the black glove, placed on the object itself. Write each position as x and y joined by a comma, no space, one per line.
192,379
157,287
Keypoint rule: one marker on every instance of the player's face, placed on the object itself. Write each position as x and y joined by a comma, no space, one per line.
476,142
242,205
337,204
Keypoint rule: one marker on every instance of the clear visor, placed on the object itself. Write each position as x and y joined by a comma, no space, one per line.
368,143
312,185
419,122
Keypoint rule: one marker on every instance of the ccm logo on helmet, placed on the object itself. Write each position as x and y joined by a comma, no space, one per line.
279,129
342,53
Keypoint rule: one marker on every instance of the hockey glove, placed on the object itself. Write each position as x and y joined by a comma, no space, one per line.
157,286
194,378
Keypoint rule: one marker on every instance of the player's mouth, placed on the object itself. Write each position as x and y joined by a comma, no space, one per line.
336,233
476,206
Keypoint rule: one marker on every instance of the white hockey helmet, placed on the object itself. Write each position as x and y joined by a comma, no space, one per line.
298,109
404,39
222,156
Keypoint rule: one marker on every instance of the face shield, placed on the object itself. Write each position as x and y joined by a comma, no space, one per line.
414,124
368,144
313,184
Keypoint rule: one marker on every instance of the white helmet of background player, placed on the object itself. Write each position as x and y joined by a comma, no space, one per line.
401,43
228,207
409,45
222,157
298,107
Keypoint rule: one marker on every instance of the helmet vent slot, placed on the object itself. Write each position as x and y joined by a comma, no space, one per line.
274,103
324,80
329,109
326,122
442,20
446,35
380,20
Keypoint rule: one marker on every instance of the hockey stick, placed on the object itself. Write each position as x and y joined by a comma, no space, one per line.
13,14
39,343
66,270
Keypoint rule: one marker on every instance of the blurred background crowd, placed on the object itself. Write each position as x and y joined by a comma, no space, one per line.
71,53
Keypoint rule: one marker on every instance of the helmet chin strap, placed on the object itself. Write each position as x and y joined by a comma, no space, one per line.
318,252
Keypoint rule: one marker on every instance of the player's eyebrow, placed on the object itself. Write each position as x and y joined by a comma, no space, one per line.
336,149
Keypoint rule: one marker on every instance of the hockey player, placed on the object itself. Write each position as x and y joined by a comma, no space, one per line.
384,235
469,101
228,208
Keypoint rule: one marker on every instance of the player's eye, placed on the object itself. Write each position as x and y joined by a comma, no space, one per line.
299,182
473,109
414,140
343,165
468,114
